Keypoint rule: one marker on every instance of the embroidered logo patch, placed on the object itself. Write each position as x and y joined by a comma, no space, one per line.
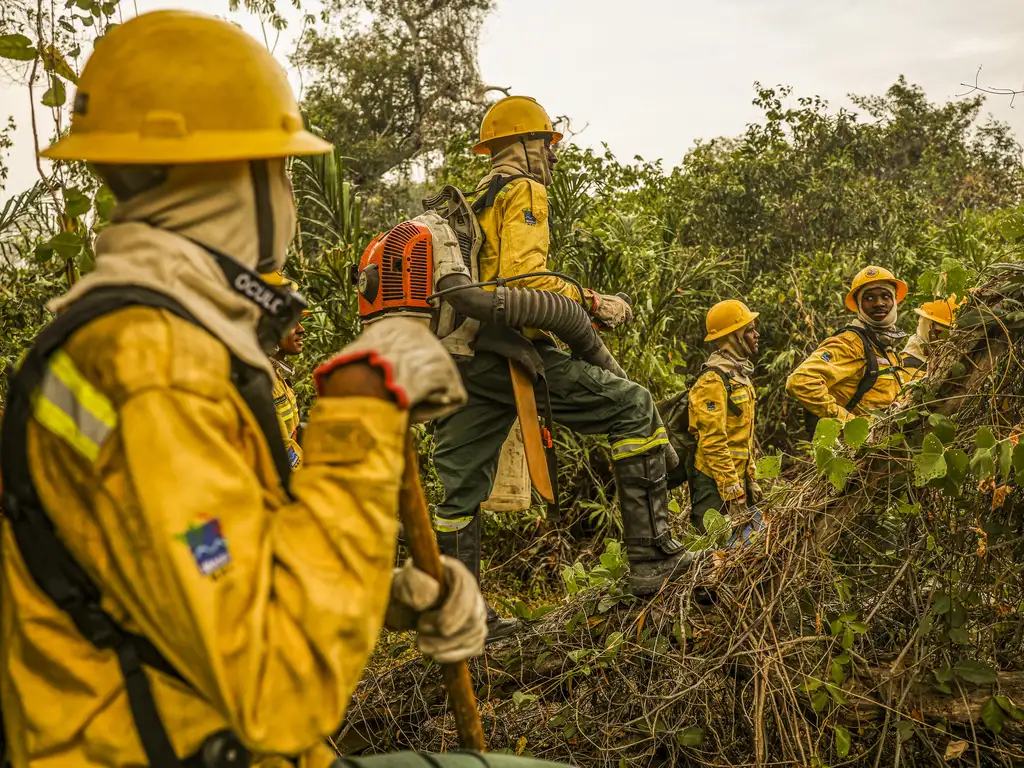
711,405
529,218
826,356
871,272
293,457
208,545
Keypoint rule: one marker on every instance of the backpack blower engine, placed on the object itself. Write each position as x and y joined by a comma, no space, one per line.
427,267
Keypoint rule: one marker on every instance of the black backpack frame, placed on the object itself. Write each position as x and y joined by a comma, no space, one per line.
52,566
865,385
675,415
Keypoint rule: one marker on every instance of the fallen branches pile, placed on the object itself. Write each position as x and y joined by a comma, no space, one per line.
878,618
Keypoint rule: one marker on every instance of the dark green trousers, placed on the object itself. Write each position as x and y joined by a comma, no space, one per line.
585,398
704,496
447,760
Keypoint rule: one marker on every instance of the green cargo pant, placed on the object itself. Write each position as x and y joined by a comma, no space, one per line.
447,760
584,398
704,496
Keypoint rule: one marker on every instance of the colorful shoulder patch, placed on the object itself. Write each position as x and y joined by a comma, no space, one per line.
208,546
529,218
711,405
826,356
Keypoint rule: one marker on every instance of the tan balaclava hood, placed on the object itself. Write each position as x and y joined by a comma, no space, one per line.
156,241
525,155
733,356
885,331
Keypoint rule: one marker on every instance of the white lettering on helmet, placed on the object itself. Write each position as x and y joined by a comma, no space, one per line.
256,290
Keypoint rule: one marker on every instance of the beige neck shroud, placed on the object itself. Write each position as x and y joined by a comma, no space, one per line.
156,241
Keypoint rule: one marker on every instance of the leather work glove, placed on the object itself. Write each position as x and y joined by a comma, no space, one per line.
452,631
417,370
610,311
754,491
736,508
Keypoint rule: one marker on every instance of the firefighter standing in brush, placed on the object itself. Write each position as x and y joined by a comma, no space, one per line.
173,595
934,319
857,370
285,403
513,212
721,416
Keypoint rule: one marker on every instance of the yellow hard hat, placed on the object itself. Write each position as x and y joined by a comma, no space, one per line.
726,317
277,277
174,87
870,275
941,311
514,116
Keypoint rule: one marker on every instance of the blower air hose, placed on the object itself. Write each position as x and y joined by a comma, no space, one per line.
525,308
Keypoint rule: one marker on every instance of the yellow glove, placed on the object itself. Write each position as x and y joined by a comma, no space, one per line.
452,631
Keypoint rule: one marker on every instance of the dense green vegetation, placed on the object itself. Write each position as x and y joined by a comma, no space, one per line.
781,215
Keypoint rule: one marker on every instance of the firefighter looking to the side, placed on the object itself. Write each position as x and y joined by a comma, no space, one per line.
518,135
209,604
934,319
857,370
722,404
285,404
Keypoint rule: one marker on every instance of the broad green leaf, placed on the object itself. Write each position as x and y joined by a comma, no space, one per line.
942,428
1005,459
957,276
858,626
930,463
905,729
959,636
826,432
982,464
819,701
855,432
957,464
76,203
943,674
984,438
690,737
811,684
993,716
55,95
1018,460
974,672
1010,708
768,467
54,61
836,694
942,604
16,47
842,741
836,673
847,641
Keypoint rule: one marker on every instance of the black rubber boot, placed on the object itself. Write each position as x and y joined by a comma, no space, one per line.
464,545
655,558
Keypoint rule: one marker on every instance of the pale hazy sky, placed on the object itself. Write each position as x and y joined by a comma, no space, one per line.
651,76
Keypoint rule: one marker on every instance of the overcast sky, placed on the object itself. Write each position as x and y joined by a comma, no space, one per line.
649,77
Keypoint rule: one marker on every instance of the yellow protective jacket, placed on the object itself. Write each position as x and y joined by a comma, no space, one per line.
272,633
517,237
287,408
828,379
725,440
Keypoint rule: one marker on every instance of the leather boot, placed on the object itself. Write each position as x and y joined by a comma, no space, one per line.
464,546
654,556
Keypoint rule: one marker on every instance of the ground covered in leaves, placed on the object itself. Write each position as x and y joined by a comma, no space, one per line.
876,619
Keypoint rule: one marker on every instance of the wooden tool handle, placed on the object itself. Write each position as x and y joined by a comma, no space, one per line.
419,534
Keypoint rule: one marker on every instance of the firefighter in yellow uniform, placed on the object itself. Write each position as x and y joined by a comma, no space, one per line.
858,370
721,406
172,594
511,206
285,403
934,318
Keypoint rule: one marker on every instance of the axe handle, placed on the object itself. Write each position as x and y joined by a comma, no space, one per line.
419,534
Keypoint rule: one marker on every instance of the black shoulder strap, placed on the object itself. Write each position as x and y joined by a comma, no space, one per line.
47,558
734,409
870,376
494,186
